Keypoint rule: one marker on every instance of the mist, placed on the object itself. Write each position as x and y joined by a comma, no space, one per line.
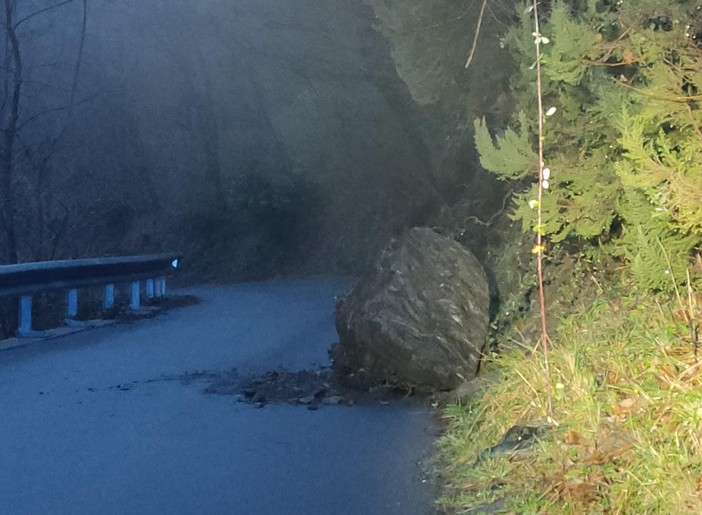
259,138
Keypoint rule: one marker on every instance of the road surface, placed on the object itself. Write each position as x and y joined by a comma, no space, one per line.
93,423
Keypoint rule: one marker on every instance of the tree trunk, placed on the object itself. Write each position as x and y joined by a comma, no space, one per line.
9,130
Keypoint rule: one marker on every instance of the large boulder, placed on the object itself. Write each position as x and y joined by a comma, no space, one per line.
420,319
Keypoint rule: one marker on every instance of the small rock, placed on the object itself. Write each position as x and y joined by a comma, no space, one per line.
306,400
313,407
495,507
517,438
333,400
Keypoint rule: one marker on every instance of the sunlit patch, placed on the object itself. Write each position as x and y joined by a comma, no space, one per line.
538,249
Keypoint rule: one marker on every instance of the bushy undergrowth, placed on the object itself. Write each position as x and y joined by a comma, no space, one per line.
617,401
627,406
621,134
261,230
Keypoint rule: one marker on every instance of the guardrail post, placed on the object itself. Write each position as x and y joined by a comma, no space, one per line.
72,309
71,304
150,288
108,301
161,287
25,316
135,302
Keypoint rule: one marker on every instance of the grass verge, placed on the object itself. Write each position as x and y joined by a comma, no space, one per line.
627,405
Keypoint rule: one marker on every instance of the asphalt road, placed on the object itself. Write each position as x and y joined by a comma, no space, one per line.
94,423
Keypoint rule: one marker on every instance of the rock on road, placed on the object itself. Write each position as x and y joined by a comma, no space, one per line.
91,423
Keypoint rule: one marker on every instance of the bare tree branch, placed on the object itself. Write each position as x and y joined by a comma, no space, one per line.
9,130
40,11
76,75
66,107
12,146
79,58
477,34
8,70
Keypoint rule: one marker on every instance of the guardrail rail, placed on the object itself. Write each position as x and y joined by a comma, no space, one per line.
26,279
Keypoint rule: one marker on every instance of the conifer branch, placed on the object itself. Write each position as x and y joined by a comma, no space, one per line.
693,122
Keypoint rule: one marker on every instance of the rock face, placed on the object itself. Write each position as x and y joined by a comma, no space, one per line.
419,319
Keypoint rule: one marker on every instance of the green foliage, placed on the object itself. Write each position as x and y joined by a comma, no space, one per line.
572,41
626,398
511,156
625,144
262,228
656,253
278,207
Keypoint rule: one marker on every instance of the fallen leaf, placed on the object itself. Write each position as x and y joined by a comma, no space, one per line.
611,445
572,438
627,404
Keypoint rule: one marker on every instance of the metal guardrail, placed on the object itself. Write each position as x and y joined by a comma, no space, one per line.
26,279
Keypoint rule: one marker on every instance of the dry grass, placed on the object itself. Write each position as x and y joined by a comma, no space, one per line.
628,411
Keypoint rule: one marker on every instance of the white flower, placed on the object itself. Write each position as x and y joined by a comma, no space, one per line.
538,38
551,111
533,203
545,184
547,173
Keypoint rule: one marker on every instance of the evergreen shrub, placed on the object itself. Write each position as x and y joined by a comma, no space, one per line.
624,145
